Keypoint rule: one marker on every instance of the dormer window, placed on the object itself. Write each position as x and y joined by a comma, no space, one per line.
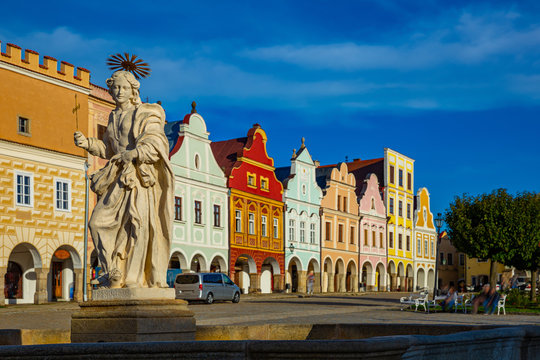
251,180
264,183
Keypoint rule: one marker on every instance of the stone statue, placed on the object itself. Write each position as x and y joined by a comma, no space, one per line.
131,225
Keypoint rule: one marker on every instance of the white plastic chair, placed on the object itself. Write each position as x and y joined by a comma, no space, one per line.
500,305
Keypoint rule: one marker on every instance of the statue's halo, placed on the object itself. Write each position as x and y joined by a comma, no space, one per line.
130,63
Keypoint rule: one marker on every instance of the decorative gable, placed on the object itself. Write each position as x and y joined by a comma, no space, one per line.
423,214
370,197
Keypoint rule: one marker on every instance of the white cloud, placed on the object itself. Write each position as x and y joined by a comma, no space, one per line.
470,40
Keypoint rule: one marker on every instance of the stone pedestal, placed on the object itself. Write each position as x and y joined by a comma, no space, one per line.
132,315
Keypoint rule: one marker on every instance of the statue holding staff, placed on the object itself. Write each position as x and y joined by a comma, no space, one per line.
131,225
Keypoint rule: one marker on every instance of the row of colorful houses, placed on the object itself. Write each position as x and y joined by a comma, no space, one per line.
356,225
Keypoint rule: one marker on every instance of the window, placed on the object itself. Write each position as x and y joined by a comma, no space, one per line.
263,225
251,180
373,239
24,189
238,220
61,195
441,258
291,229
304,189
392,174
372,204
312,233
276,228
217,215
426,248
264,184
400,177
391,239
409,181
197,161
340,232
400,241
101,129
381,239
345,204
328,229
302,231
408,243
366,237
400,208
251,223
339,202
352,235
198,212
177,208
432,249
23,126
418,247
408,211
450,259
461,259
391,206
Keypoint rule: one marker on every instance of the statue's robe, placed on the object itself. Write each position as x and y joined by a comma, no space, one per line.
131,225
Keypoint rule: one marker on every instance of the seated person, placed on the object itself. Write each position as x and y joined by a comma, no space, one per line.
450,300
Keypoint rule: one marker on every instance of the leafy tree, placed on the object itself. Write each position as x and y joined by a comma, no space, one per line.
480,227
524,249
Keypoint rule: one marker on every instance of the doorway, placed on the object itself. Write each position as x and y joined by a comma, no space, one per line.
57,280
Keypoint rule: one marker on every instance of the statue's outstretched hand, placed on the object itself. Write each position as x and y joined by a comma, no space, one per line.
80,140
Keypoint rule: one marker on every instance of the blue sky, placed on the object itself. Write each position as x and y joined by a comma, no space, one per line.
457,88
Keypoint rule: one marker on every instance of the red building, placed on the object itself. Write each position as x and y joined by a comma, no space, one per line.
256,212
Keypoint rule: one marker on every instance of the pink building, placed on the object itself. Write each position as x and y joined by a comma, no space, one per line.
372,254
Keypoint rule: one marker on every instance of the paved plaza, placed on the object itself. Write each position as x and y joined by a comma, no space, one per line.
277,309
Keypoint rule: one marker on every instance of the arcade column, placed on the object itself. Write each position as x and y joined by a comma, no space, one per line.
3,271
41,295
254,282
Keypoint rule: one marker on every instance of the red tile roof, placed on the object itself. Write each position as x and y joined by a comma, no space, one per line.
226,152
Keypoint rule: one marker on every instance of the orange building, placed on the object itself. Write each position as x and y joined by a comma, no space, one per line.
41,177
256,251
339,224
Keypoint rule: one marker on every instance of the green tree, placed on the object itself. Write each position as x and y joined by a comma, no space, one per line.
480,227
523,252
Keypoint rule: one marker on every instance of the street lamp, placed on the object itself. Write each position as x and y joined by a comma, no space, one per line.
438,225
291,248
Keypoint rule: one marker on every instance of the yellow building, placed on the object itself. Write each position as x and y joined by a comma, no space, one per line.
100,105
425,236
477,272
399,199
41,177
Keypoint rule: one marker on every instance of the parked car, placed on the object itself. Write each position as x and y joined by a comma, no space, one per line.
206,286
